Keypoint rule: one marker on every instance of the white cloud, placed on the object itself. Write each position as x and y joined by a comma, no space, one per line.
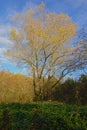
4,29
2,57
2,50
4,41
4,35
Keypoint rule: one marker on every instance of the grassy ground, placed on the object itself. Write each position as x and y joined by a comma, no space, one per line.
42,116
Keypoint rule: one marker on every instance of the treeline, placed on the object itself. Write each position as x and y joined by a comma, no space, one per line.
19,88
72,91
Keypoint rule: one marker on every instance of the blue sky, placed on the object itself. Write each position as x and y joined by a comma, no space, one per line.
76,9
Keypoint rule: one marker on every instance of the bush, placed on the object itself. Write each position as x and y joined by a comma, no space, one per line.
46,116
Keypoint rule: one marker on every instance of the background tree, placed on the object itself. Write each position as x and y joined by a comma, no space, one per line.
82,89
41,43
81,50
66,92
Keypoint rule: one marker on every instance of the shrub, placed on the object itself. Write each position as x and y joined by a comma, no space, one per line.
46,116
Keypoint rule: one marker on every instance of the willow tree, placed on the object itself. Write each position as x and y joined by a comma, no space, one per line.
41,43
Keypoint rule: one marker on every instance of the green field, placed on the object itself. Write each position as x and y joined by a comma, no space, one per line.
42,116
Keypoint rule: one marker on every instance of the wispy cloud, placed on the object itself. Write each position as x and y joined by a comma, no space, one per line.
4,42
3,60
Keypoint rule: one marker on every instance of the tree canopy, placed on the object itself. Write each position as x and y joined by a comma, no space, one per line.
42,44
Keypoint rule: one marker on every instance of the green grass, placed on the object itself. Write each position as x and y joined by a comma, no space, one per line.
42,116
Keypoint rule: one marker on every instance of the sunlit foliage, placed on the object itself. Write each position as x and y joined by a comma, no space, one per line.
41,43
15,88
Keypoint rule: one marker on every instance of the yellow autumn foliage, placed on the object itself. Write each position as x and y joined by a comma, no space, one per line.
41,41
